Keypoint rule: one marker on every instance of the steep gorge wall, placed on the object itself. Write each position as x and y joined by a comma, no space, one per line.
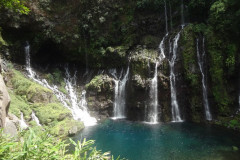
98,32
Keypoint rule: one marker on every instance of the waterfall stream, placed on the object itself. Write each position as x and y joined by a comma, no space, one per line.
34,118
119,105
204,87
153,111
176,117
22,122
70,101
78,106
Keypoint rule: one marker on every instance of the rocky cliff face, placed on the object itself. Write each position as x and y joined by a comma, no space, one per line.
100,96
4,102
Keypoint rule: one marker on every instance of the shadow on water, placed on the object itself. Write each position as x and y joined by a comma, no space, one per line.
181,141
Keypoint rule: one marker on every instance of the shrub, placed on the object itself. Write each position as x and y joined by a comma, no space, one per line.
41,145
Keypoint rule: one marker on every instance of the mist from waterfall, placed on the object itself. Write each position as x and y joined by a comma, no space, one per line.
204,87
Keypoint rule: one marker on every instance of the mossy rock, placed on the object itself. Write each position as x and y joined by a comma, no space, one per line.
100,83
121,51
52,112
34,92
230,122
218,54
190,63
141,59
18,105
64,127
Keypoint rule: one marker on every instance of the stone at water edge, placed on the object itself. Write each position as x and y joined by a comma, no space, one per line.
73,131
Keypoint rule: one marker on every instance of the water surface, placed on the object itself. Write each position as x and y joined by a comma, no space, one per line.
171,141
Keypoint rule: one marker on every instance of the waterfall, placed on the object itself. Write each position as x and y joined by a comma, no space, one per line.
22,122
34,118
174,103
78,106
153,114
70,101
119,105
31,74
204,87
153,111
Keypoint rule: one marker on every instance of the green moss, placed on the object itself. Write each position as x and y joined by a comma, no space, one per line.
229,122
116,52
51,115
62,128
2,42
216,49
31,90
189,56
140,60
18,104
100,83
52,112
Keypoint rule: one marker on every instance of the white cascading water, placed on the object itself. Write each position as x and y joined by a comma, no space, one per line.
78,106
204,88
22,122
176,117
34,118
65,100
119,105
31,74
153,111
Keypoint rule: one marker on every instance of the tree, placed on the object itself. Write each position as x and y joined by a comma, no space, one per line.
15,5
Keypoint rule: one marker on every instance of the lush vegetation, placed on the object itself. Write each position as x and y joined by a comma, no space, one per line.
37,144
15,5
28,96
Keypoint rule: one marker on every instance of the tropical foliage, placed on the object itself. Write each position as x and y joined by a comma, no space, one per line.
15,5
40,145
